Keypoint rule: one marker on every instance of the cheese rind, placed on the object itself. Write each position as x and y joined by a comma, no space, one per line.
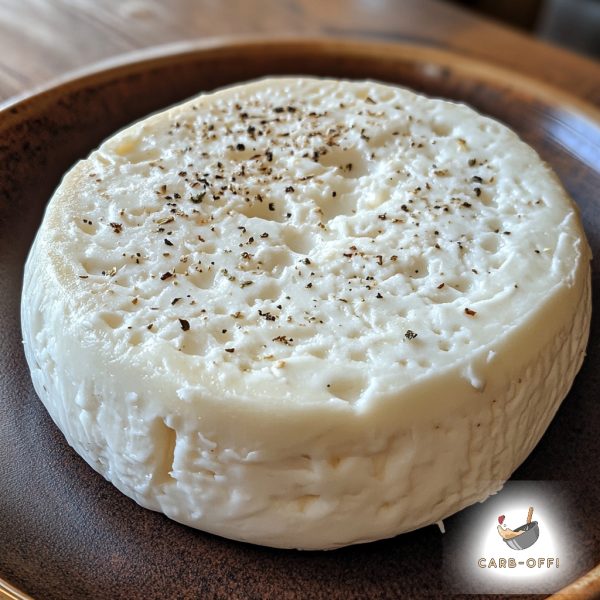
307,313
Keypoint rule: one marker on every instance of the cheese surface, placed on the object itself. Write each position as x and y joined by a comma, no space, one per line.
307,313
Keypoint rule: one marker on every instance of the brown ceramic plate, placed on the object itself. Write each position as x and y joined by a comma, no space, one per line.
67,533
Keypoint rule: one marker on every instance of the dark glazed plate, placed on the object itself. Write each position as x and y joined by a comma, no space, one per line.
67,533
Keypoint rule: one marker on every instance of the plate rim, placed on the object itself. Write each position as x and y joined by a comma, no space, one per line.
17,108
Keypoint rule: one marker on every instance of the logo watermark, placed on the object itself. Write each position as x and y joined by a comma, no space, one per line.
519,540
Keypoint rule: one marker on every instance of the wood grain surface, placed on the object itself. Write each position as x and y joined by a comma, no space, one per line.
66,533
43,39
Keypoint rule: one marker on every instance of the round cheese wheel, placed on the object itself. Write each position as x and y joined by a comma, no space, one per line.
307,313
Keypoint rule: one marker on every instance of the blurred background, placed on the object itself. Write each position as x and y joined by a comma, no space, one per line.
574,24
556,41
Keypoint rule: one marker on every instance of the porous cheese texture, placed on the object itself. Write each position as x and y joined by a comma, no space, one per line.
307,313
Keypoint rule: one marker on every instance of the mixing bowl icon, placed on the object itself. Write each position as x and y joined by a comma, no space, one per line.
531,532
521,537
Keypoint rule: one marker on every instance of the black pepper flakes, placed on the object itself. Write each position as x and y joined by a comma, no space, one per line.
410,334
470,312
166,276
185,325
197,199
267,315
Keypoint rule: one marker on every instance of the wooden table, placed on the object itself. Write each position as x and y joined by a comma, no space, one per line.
43,39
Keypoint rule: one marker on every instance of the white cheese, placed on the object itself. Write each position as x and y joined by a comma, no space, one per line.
307,313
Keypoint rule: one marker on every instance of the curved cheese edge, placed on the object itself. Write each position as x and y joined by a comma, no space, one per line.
264,478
